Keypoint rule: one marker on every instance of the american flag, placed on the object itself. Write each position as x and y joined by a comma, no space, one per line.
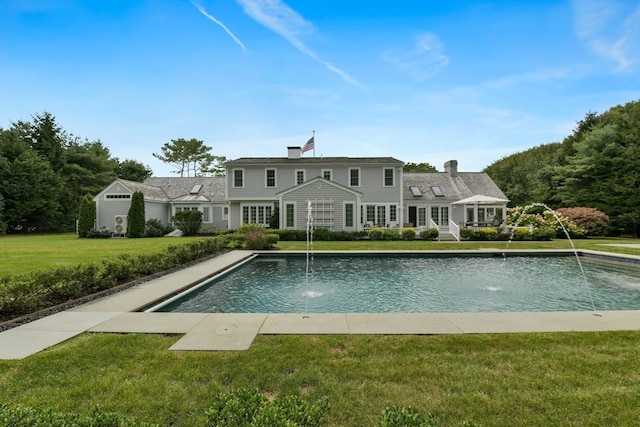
309,145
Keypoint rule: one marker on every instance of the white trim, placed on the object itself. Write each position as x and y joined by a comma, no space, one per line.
266,178
353,215
295,215
359,177
233,178
304,176
384,177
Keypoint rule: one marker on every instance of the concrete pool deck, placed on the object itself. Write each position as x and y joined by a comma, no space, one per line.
118,313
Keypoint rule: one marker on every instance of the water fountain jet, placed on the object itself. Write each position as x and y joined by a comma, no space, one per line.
566,232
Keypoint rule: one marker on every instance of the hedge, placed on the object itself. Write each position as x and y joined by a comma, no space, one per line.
24,294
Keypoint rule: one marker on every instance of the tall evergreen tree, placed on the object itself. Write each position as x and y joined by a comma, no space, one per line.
28,185
48,139
136,219
86,216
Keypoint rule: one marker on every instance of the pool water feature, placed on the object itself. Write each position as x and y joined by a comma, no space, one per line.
416,283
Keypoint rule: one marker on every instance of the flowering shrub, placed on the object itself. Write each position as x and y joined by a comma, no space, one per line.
591,220
546,221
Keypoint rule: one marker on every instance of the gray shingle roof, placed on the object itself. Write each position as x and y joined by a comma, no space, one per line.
312,160
460,186
179,188
150,192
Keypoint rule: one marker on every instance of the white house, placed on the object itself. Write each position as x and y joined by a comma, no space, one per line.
343,193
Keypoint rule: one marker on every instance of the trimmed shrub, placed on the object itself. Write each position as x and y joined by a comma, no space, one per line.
101,233
188,221
155,228
19,415
375,233
292,235
429,234
244,408
465,233
135,220
408,234
86,216
390,234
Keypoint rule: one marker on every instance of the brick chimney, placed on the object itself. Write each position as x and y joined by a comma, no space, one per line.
294,152
451,167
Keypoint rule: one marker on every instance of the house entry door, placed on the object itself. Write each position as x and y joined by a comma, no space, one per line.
440,215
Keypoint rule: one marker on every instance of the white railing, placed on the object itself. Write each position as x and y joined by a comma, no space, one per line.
454,229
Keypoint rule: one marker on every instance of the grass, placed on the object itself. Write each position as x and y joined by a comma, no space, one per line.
565,379
23,254
493,379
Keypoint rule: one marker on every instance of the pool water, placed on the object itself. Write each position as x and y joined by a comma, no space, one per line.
415,284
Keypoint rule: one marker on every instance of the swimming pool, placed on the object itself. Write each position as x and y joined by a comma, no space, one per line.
413,283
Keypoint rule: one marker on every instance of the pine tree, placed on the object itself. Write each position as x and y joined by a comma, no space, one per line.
136,221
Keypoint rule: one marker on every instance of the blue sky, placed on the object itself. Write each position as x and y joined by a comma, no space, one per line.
422,81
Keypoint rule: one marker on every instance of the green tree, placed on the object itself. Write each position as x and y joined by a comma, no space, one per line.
48,139
190,157
88,169
28,184
418,167
136,220
86,216
132,170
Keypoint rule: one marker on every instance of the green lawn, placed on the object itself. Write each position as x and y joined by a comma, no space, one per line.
22,254
568,379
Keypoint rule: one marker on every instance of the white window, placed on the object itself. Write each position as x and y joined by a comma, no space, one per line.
388,177
256,214
225,212
300,176
422,217
349,210
290,215
354,177
238,178
327,174
205,214
270,178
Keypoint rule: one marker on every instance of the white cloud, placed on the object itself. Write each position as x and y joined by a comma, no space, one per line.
424,60
611,29
204,12
289,24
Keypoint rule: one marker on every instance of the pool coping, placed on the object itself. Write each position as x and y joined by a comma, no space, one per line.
120,313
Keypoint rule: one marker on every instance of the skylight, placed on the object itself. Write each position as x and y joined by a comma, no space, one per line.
415,191
437,191
196,189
